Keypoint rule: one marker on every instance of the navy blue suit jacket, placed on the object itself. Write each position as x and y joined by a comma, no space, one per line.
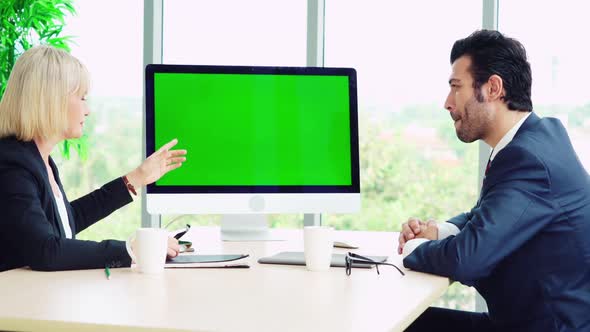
525,246
32,232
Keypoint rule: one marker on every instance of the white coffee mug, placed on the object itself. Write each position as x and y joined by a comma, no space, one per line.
150,249
318,242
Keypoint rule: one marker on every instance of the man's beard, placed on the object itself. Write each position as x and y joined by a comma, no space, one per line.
472,123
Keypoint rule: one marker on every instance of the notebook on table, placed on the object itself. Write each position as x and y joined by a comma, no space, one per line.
298,258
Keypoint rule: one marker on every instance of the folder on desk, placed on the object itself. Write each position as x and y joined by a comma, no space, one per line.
209,261
298,258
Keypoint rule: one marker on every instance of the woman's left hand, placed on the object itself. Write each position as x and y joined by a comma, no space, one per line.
156,165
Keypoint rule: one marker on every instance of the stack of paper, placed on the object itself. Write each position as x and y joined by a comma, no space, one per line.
209,261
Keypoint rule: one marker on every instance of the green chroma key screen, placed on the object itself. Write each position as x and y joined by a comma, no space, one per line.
255,129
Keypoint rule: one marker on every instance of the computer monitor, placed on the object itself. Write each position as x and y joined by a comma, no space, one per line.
260,140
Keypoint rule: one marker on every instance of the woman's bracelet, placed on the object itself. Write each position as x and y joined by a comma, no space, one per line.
129,186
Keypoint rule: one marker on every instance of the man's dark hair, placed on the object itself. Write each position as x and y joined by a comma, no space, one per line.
493,53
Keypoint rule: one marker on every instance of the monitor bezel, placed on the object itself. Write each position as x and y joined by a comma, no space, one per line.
354,187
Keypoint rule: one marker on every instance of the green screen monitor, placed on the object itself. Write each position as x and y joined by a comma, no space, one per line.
259,139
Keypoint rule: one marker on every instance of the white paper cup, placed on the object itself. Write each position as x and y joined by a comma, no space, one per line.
151,247
318,242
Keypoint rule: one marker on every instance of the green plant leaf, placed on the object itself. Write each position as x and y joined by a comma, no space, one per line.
80,145
26,23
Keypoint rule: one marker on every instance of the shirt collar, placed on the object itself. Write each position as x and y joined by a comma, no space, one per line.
508,136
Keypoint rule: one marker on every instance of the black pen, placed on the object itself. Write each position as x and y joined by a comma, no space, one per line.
179,235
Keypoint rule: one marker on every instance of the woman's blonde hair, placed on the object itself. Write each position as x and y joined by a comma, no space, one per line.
35,102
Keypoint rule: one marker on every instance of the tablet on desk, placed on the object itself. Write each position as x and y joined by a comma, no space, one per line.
204,258
238,260
298,258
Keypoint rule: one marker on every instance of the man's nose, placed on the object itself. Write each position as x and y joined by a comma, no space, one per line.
449,103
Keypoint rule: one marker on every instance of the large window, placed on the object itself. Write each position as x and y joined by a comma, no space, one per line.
108,40
555,40
230,32
412,163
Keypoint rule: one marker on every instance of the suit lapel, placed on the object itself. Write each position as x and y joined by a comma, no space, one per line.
529,123
48,191
63,195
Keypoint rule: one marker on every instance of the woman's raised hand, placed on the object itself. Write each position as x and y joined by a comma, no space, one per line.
156,165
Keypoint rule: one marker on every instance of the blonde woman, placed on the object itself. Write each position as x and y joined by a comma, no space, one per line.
43,104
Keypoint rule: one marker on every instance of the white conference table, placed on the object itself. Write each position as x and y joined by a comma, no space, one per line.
261,298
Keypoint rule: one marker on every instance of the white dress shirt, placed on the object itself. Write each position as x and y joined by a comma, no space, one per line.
447,229
63,214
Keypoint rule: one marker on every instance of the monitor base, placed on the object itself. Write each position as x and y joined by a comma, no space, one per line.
246,227
248,236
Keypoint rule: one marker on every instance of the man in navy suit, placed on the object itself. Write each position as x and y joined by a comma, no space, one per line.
525,245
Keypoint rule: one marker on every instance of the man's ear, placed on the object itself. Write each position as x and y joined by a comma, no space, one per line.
495,88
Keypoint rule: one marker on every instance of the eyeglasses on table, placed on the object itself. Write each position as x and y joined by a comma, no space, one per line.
352,258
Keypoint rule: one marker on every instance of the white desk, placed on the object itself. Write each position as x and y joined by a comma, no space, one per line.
262,298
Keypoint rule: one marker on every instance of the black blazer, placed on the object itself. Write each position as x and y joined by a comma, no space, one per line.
32,233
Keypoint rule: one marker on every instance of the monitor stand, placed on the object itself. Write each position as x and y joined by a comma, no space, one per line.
246,227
